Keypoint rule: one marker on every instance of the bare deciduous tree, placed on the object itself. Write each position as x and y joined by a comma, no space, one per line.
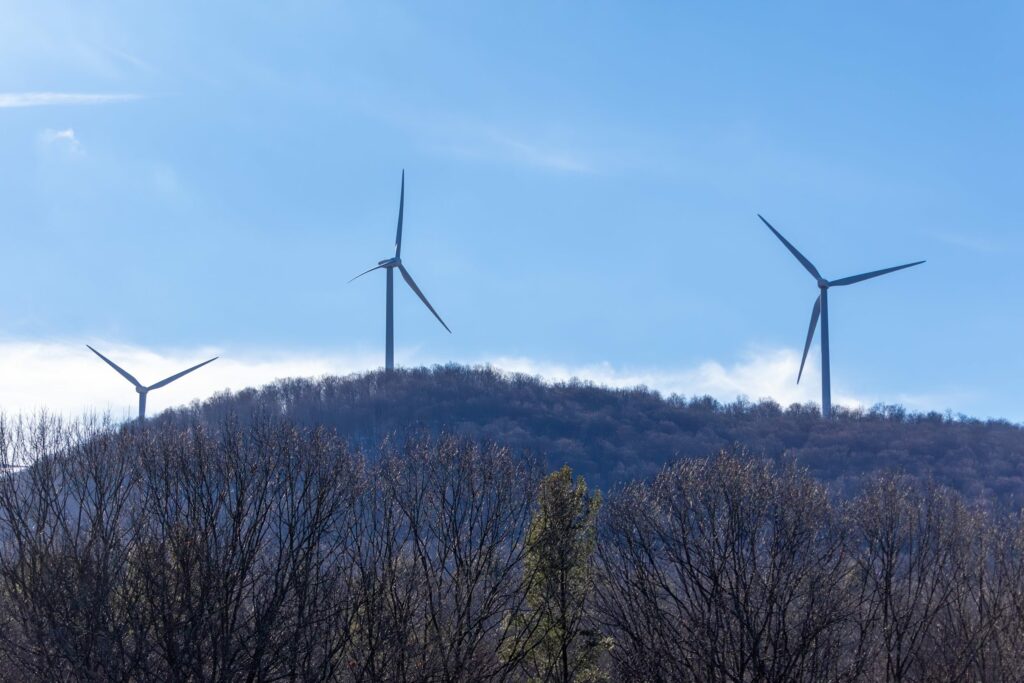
456,519
724,571
265,552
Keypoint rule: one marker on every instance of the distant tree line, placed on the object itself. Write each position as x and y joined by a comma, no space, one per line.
614,436
265,551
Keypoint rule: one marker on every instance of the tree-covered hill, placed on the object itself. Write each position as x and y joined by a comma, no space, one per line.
615,435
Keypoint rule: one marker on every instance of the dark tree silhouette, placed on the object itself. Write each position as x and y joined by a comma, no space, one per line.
249,539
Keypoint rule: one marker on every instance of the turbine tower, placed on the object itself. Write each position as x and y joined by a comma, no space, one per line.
138,385
821,309
389,265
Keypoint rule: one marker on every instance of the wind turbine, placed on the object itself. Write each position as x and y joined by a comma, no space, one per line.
389,265
138,385
821,308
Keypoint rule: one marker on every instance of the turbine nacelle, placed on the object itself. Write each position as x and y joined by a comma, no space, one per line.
390,263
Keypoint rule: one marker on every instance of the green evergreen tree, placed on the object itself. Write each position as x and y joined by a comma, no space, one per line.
560,581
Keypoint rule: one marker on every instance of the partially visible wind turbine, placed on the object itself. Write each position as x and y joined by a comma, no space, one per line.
138,385
390,264
821,308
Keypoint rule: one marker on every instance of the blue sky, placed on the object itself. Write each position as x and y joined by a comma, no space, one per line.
583,181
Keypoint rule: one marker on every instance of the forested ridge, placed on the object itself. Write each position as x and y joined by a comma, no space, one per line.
432,525
614,436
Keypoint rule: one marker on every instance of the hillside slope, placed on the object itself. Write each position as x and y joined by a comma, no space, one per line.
615,435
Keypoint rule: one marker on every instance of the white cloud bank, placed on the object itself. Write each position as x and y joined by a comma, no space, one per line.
66,378
12,100
763,374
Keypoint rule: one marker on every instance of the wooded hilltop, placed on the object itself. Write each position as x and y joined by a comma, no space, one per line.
615,436
433,525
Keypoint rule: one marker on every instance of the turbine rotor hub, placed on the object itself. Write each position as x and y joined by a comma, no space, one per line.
823,283
390,262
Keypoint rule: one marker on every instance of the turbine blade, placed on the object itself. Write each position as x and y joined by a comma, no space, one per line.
408,279
815,312
799,257
364,273
124,373
401,210
165,382
875,273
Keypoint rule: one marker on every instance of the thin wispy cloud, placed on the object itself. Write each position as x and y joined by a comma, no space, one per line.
48,99
485,143
65,137
460,134
972,242
543,157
